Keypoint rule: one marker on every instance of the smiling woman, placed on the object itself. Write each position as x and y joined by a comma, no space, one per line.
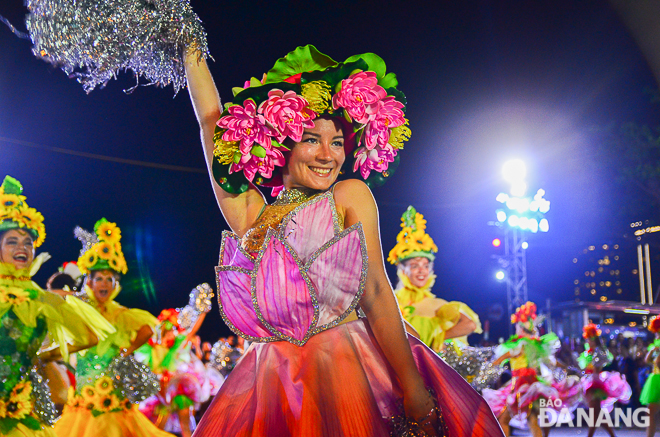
293,273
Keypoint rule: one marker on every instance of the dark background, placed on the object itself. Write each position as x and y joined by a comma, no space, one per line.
486,81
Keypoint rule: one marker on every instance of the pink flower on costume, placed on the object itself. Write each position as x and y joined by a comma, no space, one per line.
244,125
377,159
252,164
389,115
359,96
287,113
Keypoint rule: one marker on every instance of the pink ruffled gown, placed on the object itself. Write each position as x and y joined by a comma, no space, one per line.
306,374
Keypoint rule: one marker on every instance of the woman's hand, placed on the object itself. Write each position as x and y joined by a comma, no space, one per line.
419,407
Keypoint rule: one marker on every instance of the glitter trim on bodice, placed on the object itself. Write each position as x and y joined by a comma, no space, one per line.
306,277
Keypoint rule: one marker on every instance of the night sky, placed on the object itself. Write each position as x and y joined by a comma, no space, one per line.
486,81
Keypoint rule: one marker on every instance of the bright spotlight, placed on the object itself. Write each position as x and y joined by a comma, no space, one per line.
502,197
522,206
518,188
499,275
544,226
497,242
524,245
544,206
523,223
501,216
514,171
533,225
513,220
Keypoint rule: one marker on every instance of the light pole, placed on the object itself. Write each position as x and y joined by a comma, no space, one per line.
517,216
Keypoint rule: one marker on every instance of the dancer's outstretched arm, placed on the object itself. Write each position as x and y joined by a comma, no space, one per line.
240,210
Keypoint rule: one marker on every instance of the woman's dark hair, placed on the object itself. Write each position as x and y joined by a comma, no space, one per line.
60,280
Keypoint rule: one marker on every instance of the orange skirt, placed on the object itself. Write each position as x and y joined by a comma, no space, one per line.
338,384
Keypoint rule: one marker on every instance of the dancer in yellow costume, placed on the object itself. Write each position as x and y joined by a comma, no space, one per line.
28,314
104,402
434,319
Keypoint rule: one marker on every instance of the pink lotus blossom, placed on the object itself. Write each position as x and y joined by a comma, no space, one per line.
377,159
252,164
244,125
287,113
359,96
389,115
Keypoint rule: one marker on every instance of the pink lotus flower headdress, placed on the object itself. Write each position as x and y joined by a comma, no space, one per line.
306,84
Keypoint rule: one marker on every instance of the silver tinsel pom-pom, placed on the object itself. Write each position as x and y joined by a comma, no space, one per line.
134,379
93,40
474,364
224,357
43,405
201,298
199,301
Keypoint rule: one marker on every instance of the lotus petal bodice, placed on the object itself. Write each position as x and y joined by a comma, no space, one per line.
307,277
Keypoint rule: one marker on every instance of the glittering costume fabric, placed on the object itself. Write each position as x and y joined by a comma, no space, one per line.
27,314
608,387
93,40
109,387
527,386
651,391
304,373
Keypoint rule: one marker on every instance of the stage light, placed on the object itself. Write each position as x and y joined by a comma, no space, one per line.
513,221
499,275
501,216
534,225
502,197
497,242
524,245
544,226
514,171
544,206
523,223
518,189
522,206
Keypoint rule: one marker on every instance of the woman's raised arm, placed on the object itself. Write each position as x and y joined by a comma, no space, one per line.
239,210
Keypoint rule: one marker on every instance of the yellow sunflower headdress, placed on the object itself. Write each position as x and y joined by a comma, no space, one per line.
412,241
15,213
102,250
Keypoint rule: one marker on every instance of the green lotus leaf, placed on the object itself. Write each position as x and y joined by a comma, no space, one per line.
301,60
374,63
389,81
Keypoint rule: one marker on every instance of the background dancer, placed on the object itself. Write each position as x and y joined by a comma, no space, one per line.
436,320
527,352
185,383
601,389
109,382
29,314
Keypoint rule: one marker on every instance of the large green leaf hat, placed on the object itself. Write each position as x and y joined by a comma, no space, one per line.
306,84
